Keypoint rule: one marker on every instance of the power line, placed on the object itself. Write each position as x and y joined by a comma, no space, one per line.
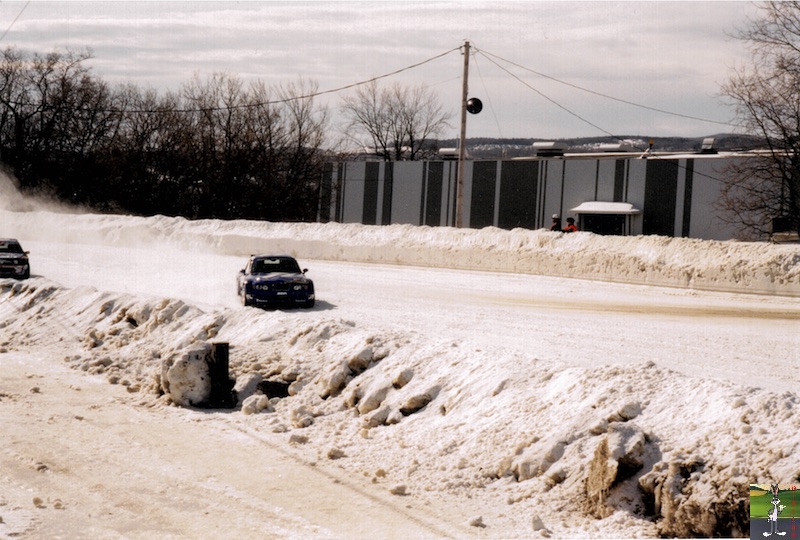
600,94
551,100
488,98
277,101
307,96
650,156
15,20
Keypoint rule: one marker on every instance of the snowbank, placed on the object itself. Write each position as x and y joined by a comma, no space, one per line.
603,452
653,260
611,451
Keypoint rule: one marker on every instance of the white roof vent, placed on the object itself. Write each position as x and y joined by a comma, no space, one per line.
549,148
708,146
449,153
616,147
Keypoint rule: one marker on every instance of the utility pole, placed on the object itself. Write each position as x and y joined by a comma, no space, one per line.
462,146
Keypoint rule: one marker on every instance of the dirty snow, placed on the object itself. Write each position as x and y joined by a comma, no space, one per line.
505,436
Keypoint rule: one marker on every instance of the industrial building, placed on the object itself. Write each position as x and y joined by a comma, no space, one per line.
613,191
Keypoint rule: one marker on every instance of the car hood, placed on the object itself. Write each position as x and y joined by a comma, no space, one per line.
5,256
277,277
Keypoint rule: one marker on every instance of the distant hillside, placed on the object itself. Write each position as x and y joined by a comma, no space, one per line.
488,148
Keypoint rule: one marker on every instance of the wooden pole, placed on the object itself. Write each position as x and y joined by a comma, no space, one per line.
462,147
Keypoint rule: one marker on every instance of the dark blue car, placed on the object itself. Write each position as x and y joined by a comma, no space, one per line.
274,281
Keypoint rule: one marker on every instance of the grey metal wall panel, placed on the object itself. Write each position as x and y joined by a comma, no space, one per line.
450,173
660,192
388,188
484,184
619,180
706,186
433,194
634,191
552,190
606,174
579,184
519,183
353,178
407,192
370,201
687,198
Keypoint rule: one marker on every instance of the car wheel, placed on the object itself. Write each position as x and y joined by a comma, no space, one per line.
245,303
309,303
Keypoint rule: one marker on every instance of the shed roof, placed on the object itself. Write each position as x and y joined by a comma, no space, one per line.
601,207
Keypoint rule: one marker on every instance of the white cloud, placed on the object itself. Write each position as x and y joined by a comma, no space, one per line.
651,52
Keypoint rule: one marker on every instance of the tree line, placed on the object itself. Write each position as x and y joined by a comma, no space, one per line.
217,148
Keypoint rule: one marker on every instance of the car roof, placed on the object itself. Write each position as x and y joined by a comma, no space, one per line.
271,257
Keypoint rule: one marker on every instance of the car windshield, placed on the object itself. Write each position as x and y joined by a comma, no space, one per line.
10,246
276,264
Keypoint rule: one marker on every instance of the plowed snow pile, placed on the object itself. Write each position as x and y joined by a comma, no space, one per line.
607,452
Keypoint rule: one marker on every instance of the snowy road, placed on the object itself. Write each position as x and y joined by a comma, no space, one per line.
747,339
95,467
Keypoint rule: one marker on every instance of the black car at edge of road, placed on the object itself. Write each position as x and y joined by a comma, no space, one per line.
13,260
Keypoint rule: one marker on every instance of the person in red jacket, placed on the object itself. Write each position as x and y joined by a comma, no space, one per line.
571,227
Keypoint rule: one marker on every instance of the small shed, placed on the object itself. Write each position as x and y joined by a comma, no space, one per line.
601,217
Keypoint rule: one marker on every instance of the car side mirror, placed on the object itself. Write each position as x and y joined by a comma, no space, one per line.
241,271
305,270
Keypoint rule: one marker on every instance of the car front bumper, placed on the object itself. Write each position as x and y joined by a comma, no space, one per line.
14,270
278,298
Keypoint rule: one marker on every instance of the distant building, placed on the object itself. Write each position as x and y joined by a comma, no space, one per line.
614,191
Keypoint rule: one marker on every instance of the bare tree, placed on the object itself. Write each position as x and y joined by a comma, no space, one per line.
38,96
397,122
254,157
217,148
305,124
421,117
55,120
145,170
761,192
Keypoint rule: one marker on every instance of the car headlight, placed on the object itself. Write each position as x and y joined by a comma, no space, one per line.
261,287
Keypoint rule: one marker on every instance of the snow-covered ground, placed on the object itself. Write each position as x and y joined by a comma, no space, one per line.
449,383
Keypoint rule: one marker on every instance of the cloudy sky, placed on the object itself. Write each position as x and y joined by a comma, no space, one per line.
672,56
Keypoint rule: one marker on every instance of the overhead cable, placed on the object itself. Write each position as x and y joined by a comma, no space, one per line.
548,98
307,96
600,94
15,20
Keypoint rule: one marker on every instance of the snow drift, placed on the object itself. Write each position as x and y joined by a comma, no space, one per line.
619,448
604,452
